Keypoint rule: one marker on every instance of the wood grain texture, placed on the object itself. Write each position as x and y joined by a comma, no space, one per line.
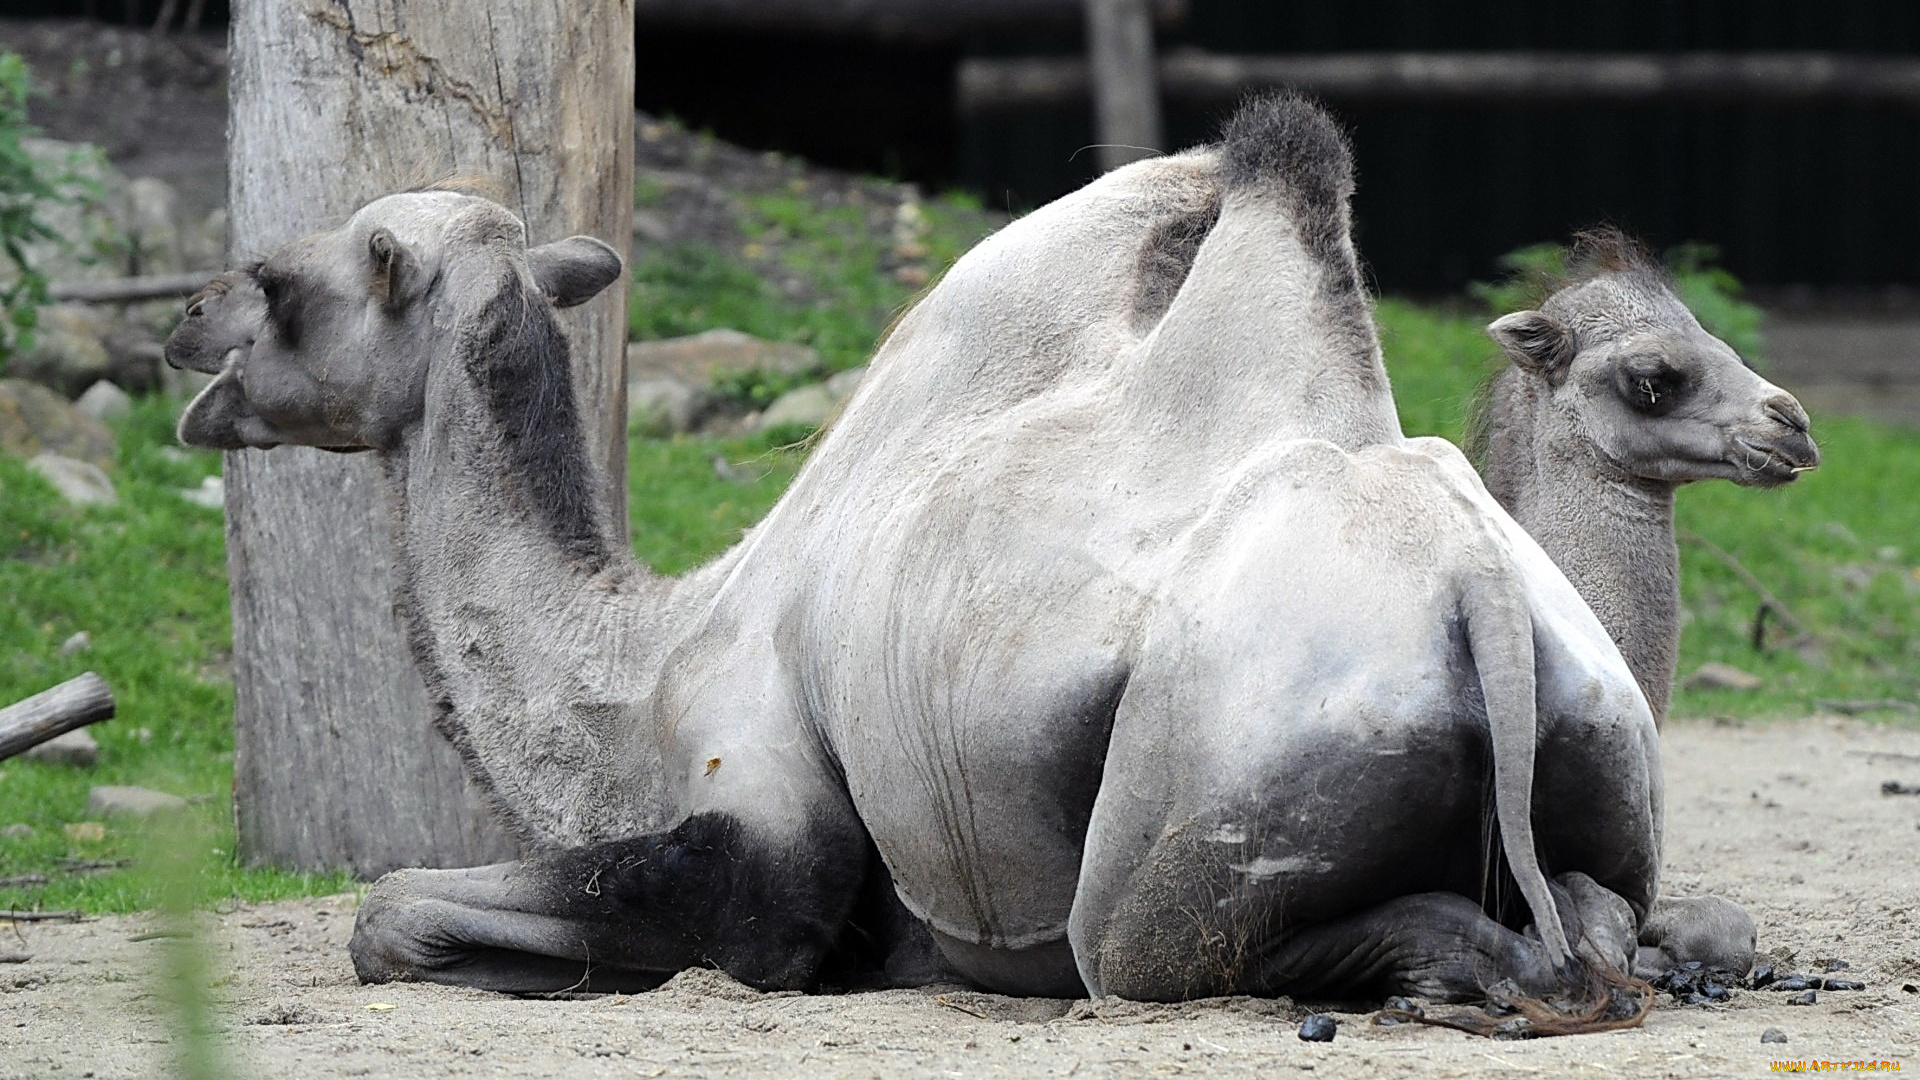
332,105
81,700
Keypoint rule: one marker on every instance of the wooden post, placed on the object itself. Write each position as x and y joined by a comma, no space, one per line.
1126,85
336,761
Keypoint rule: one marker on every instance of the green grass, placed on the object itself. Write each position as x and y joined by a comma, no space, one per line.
146,578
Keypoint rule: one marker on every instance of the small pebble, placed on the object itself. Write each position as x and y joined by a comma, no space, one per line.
1842,984
1773,1035
1317,1028
1807,998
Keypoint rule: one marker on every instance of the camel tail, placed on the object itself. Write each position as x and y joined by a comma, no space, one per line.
1287,144
1500,635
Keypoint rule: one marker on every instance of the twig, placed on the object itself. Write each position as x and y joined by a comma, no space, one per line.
1745,575
20,881
157,935
69,915
942,999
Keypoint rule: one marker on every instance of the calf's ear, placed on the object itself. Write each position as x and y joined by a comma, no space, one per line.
396,276
1534,340
574,270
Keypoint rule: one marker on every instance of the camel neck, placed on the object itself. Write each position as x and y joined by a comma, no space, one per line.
1610,533
534,635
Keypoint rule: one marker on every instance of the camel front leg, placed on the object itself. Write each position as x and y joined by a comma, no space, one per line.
622,914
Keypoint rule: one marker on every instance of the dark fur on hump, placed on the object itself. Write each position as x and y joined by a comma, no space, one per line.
1167,258
518,355
1285,145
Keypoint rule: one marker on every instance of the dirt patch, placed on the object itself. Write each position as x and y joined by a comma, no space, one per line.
1787,819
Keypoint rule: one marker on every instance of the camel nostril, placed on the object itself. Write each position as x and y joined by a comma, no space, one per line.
1788,412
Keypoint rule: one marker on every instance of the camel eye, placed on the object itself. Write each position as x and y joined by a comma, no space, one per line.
1652,388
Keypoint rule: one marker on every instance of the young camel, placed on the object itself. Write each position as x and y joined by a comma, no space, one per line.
1073,643
1616,396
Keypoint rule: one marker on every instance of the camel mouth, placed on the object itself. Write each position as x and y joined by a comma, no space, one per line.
1771,465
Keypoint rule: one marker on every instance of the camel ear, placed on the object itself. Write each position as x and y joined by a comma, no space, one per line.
1535,341
574,270
396,276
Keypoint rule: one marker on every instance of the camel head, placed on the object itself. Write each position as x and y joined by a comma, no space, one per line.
328,342
1628,368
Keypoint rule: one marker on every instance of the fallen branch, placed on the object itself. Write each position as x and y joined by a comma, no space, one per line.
1801,629
50,713
1853,707
69,915
129,289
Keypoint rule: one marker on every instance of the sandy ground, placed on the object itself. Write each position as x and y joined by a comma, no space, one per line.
1787,819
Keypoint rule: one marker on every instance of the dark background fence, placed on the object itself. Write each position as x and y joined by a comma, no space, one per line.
1793,194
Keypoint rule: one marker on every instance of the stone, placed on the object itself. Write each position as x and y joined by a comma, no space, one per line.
1318,1028
1718,676
104,401
19,830
73,748
34,418
844,383
69,349
78,482
1773,1035
807,406
661,404
212,493
85,832
131,801
80,642
152,226
696,359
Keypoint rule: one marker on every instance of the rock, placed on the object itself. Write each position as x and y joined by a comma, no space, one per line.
87,219
1793,983
1318,1028
1717,676
85,832
695,360
842,385
79,482
1773,1035
132,801
153,233
807,406
80,642
34,418
69,349
104,401
19,830
1807,998
212,493
662,404
1837,965
1842,984
73,748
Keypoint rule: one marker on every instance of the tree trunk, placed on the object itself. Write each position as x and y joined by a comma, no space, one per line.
1126,84
336,761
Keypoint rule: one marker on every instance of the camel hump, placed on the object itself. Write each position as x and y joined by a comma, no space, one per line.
1287,143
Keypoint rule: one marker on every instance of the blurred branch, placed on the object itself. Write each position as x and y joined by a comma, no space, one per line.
1194,76
1745,575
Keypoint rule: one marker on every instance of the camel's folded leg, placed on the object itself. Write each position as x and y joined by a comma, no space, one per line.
1443,947
618,915
1711,929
